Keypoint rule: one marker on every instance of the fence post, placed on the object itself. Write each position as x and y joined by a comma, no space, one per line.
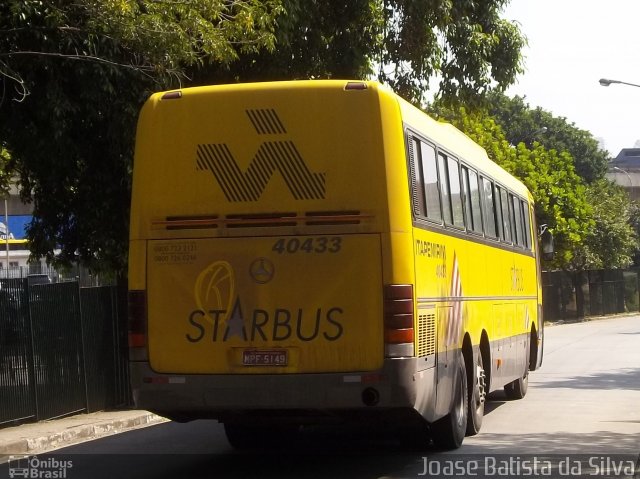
31,363
82,351
637,271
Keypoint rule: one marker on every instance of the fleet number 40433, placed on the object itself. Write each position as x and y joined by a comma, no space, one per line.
320,244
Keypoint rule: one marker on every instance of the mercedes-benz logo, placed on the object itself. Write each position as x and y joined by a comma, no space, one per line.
262,270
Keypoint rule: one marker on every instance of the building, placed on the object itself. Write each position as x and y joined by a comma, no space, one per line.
624,170
14,250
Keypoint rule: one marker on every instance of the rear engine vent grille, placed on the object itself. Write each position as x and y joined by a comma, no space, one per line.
333,218
189,222
262,220
426,334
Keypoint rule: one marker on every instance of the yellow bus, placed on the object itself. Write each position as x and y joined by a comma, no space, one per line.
320,251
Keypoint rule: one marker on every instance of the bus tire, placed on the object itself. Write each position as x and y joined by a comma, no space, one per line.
449,432
477,397
518,389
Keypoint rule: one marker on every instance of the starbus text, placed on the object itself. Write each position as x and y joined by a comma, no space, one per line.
277,325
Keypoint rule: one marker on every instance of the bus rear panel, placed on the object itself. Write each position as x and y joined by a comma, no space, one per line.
260,246
322,251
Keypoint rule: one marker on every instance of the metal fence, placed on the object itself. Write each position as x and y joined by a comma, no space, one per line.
62,350
576,295
63,347
38,272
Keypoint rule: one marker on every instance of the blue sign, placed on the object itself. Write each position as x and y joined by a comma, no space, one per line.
17,225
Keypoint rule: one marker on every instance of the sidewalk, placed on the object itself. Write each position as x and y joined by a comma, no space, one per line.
44,436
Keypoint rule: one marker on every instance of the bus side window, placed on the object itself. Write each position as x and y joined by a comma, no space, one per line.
456,197
488,208
419,206
524,211
517,216
505,229
516,228
475,201
445,193
430,178
466,198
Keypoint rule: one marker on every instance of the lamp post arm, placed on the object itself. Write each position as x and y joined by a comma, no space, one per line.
615,168
607,82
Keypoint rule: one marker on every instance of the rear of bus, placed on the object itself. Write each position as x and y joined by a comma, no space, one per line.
262,250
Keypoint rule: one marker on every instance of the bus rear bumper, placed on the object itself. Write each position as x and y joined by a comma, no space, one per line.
398,385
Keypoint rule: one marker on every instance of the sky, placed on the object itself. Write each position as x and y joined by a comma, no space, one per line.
572,44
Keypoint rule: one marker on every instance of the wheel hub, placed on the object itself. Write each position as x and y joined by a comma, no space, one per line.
481,384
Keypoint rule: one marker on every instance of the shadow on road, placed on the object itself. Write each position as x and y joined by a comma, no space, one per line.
622,379
494,401
321,454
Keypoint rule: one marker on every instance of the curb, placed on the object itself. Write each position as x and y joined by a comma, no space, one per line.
46,436
588,319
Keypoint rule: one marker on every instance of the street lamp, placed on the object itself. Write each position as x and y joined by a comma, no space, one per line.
626,173
607,82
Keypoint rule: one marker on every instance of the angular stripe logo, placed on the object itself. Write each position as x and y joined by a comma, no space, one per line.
272,157
266,122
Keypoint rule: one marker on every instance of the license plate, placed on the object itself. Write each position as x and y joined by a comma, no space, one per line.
254,357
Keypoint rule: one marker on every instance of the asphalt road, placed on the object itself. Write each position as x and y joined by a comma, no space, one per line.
585,400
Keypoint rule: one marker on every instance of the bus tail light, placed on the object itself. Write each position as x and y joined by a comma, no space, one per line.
398,320
137,324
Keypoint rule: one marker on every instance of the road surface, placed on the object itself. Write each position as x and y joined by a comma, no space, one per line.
584,400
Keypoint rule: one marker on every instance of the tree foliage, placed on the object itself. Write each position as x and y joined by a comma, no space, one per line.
612,241
156,38
5,170
523,124
315,39
465,42
74,75
405,43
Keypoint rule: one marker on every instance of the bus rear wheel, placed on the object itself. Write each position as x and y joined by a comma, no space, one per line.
449,432
477,396
518,389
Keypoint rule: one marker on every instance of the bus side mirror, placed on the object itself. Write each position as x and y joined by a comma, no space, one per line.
546,239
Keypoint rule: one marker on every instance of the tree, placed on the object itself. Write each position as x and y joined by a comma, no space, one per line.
405,43
315,39
466,42
523,124
155,38
75,75
5,170
559,193
611,242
